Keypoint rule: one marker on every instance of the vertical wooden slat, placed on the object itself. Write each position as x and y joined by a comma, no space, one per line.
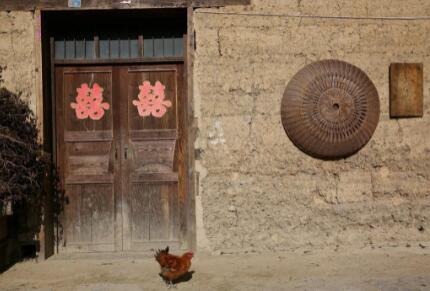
43,252
169,47
158,211
54,96
57,135
164,46
174,219
80,48
124,125
109,41
189,41
97,46
129,47
141,46
182,157
85,47
47,73
174,46
102,220
89,48
72,231
139,201
64,49
117,157
85,214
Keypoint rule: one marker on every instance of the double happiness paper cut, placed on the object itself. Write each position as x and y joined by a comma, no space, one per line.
151,100
89,102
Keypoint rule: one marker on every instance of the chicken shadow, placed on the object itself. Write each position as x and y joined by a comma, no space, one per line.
184,278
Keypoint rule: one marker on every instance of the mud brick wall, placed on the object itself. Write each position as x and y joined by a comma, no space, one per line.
257,191
17,54
17,60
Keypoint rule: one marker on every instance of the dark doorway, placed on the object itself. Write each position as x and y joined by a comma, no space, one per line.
118,126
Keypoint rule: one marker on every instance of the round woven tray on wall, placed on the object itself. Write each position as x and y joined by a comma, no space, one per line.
330,109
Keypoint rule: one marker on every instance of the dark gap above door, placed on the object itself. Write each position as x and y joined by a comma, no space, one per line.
118,35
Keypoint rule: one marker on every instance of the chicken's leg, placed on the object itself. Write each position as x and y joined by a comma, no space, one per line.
171,285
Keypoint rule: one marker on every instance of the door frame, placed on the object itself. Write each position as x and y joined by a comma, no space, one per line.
49,234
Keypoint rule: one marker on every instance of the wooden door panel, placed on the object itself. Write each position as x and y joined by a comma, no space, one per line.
152,168
155,215
87,159
86,156
152,139
140,211
153,156
89,217
73,80
163,203
167,77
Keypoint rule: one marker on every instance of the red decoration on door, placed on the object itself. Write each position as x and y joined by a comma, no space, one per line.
151,100
89,102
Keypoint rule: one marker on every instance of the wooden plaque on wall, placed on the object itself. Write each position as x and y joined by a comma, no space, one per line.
406,90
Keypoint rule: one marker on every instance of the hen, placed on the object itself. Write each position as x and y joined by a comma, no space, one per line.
173,267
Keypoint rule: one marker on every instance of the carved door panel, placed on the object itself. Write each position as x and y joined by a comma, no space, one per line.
153,166
86,141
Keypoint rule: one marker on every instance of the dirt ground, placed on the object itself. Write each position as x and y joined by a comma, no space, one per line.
369,269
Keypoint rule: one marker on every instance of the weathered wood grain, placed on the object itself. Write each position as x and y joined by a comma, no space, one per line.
152,191
85,157
406,90
125,174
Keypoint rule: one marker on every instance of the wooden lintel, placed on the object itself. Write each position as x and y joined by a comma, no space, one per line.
114,4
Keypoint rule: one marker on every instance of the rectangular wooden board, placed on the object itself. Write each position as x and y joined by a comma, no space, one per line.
406,90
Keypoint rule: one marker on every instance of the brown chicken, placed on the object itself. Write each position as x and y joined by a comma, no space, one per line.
173,267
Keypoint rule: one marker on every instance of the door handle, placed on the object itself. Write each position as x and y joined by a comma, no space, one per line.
116,153
125,152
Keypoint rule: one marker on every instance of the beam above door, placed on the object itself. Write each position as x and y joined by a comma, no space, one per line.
114,4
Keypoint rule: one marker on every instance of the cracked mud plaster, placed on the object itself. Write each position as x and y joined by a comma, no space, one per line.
259,191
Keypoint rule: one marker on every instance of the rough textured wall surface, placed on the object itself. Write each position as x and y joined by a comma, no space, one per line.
17,54
257,191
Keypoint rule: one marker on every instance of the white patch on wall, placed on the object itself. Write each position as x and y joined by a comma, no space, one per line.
216,135
202,240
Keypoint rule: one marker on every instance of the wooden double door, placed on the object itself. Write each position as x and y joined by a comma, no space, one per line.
121,152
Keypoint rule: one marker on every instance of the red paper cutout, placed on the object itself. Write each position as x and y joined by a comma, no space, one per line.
90,102
151,100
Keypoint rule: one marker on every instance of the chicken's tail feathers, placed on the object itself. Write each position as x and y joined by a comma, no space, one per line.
161,252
